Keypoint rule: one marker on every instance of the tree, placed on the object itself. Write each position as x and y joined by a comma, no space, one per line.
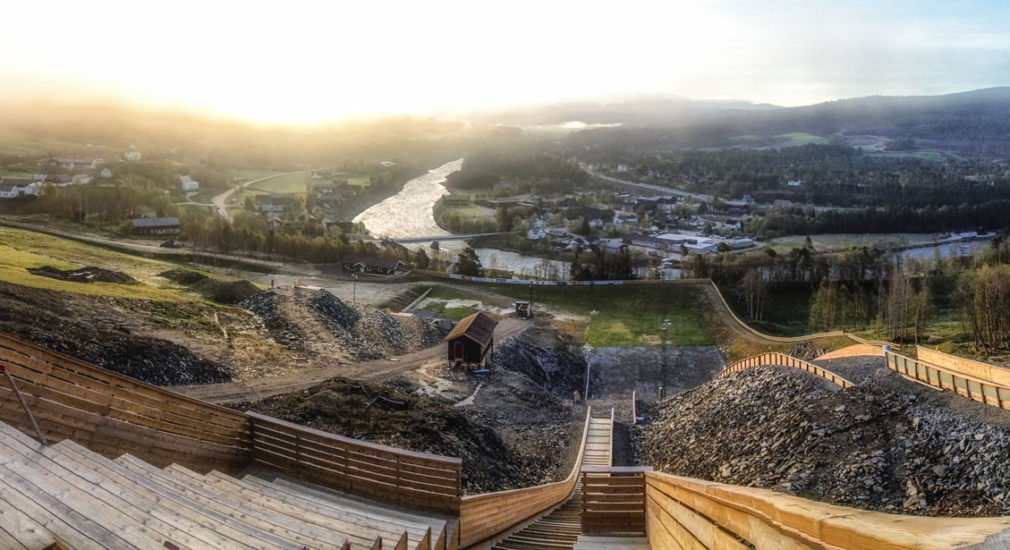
421,259
469,263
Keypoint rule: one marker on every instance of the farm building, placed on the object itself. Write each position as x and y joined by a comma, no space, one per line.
371,264
471,342
156,226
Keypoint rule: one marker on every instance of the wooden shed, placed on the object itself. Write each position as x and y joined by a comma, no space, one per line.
471,341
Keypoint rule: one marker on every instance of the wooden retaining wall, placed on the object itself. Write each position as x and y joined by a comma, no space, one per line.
484,516
776,358
690,513
114,414
414,480
945,378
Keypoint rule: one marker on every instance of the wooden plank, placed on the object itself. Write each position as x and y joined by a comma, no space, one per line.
288,527
192,511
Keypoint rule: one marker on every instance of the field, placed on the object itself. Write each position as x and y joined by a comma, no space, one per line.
621,315
16,143
834,242
796,139
287,183
23,249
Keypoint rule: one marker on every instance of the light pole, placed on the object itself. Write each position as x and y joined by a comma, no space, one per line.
354,289
666,328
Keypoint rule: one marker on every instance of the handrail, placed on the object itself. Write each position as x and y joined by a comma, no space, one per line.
21,398
942,378
486,515
389,474
997,375
704,514
781,359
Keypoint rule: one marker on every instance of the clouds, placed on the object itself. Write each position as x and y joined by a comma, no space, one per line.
316,60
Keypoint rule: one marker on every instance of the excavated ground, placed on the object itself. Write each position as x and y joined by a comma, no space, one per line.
887,444
514,435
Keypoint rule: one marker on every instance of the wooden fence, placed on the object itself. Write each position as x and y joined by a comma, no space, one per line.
114,414
944,378
613,500
397,476
690,513
775,358
484,516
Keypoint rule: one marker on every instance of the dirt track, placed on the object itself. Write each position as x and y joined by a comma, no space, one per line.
373,371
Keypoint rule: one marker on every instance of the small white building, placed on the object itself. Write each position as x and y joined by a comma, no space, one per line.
536,234
105,173
188,184
83,179
8,191
794,183
133,155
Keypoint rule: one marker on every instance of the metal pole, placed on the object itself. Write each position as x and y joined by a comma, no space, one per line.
354,290
24,405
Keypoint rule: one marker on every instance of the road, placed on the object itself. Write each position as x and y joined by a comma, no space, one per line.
220,202
649,186
379,370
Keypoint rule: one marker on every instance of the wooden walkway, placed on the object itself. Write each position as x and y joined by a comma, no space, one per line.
560,529
84,500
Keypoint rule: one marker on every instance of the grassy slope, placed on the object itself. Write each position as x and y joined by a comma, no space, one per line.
619,316
841,241
21,249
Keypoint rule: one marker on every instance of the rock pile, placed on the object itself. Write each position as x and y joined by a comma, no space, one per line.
547,357
887,444
303,318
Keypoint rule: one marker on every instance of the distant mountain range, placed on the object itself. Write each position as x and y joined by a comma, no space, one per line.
968,122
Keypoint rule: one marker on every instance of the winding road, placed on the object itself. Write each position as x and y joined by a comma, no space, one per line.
220,202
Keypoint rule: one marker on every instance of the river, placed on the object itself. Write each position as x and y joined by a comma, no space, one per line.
409,213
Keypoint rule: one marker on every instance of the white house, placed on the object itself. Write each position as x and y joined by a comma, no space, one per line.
794,183
8,191
82,179
622,168
105,173
188,184
536,234
133,155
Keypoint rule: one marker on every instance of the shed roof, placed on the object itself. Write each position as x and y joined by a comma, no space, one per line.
477,327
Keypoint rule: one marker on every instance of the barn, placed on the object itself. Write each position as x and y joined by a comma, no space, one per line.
471,342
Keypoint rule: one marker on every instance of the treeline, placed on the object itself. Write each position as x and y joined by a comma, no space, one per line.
91,203
990,215
526,170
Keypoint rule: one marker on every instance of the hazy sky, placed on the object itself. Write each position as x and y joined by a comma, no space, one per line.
311,61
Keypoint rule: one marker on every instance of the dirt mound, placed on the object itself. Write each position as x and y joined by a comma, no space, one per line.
806,351
402,418
95,329
225,292
83,275
183,276
887,444
547,357
306,319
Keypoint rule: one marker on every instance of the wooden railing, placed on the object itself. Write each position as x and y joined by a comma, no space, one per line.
484,516
613,500
690,513
999,376
397,476
775,358
113,414
944,378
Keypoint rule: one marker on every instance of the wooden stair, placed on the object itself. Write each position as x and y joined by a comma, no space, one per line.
560,529
68,494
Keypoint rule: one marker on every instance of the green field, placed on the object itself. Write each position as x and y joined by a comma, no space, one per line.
288,183
13,142
20,249
797,139
621,315
834,242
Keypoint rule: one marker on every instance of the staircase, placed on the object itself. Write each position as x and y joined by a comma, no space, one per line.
560,529
67,494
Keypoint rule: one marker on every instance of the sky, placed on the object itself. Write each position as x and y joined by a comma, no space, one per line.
309,62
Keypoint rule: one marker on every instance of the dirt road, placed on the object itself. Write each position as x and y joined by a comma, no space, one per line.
373,371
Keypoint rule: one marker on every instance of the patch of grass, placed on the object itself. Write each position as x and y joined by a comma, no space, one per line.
629,315
22,249
797,139
834,242
442,310
288,183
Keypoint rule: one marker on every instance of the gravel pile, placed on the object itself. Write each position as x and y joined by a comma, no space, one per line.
547,357
887,444
306,318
